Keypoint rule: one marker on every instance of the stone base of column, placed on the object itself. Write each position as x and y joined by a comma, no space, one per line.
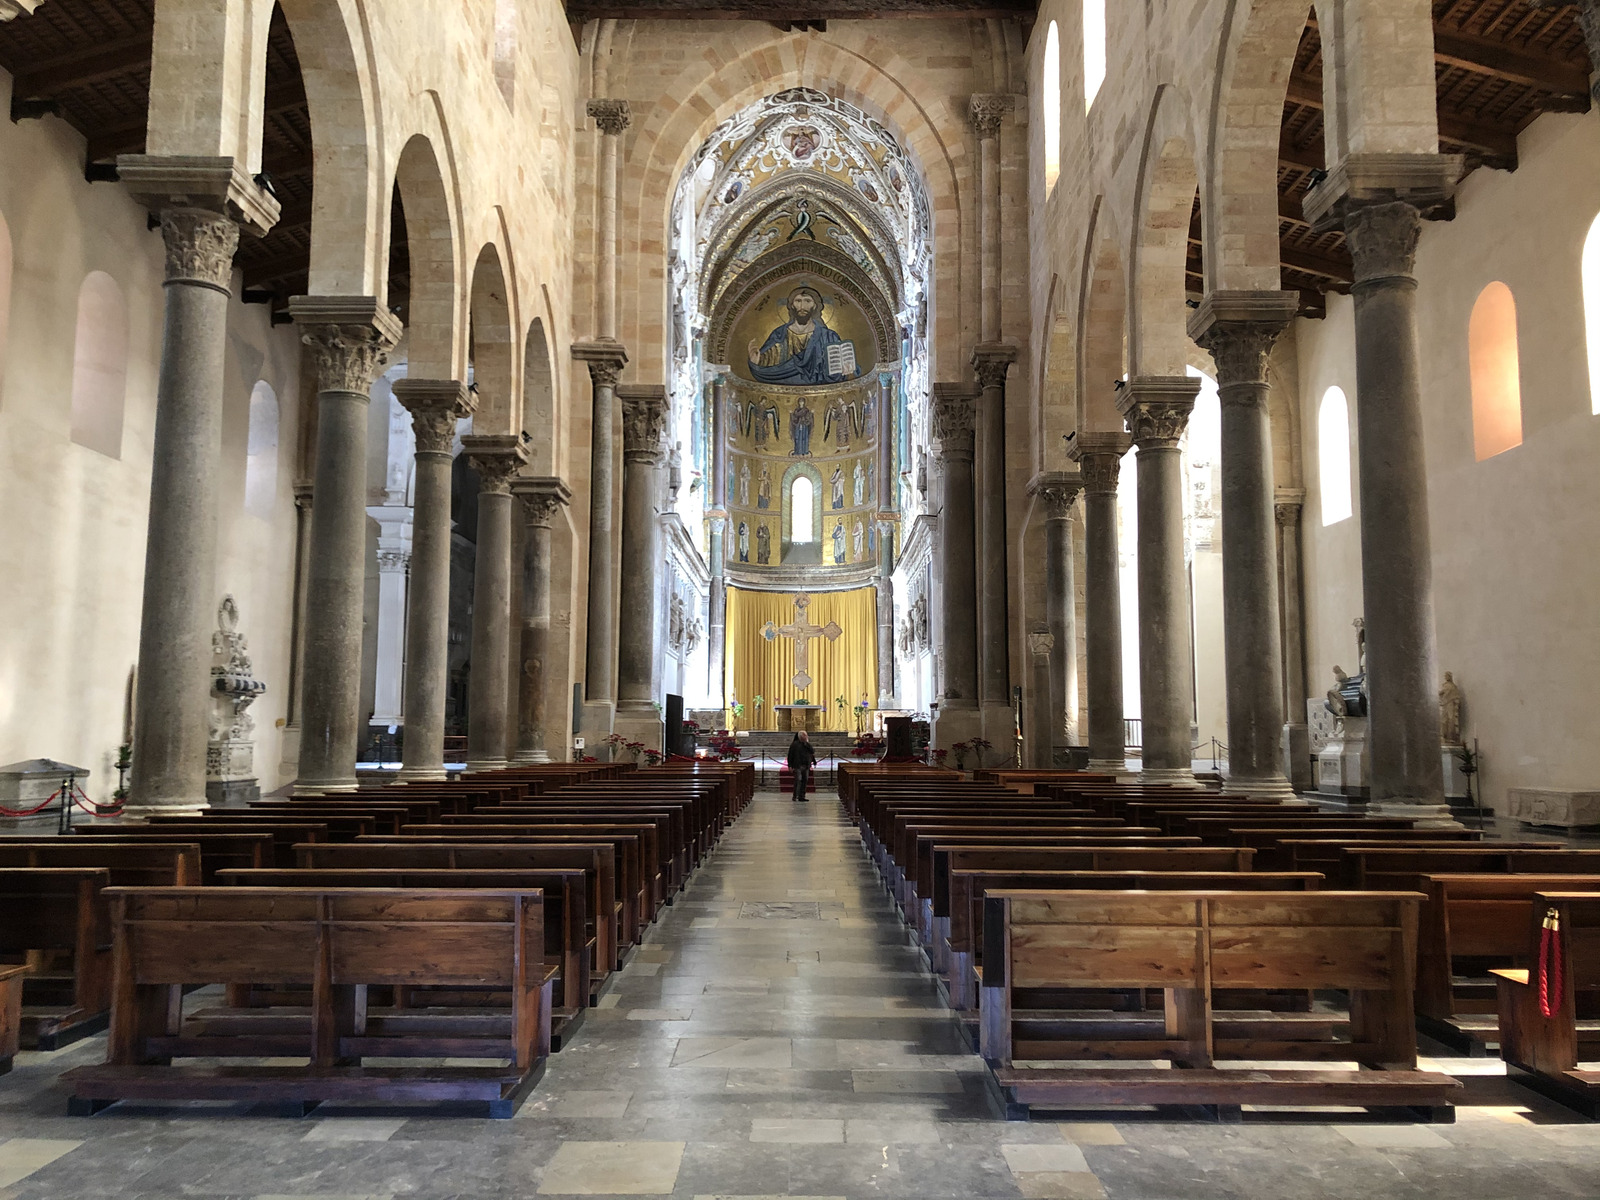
1426,815
171,808
322,787
1295,745
533,756
1169,777
953,725
474,765
1000,729
1109,766
640,723
1276,788
289,754
596,721
420,774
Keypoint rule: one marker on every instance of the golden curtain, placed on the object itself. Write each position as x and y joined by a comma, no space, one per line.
847,666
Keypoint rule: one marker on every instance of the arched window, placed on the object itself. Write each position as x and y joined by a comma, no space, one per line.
100,365
261,452
1333,456
1052,107
1591,310
5,298
1496,373
802,496
1094,50
505,49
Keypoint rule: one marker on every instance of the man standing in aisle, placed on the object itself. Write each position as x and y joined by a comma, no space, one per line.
801,759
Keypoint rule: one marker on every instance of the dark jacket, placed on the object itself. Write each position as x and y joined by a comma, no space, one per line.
801,755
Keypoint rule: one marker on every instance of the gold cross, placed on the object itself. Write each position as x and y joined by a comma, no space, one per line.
801,630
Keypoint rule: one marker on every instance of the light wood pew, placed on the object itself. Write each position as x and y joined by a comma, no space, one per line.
10,1014
340,942
1191,945
58,924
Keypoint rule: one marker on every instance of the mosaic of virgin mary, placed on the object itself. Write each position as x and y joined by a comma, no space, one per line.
803,350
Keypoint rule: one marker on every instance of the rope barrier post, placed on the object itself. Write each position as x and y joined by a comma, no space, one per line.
64,823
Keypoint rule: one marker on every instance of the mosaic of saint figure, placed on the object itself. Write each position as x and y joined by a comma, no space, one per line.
766,422
763,546
744,542
744,486
861,485
837,482
838,541
798,351
858,537
764,492
801,422
839,422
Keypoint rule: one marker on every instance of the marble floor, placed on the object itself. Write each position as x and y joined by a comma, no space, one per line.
776,1036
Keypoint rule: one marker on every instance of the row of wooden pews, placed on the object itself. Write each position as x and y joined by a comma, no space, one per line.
433,925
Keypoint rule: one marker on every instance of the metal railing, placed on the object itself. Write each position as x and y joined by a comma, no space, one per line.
1132,733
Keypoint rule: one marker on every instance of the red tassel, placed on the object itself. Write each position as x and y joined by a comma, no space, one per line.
1551,982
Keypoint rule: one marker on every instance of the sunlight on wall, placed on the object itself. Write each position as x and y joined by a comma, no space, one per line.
1591,310
1333,457
1052,107
261,452
100,365
1496,373
1094,49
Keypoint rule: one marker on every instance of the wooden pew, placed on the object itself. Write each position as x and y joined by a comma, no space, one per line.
410,808
341,942
217,850
1272,854
58,925
130,864
278,839
339,826
1192,944
566,918
10,1014
1548,1053
1376,866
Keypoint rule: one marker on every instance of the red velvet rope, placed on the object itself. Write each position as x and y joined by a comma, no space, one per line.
28,812
78,797
1551,980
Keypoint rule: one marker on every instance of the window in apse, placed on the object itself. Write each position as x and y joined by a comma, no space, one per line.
261,452
802,496
1333,457
1052,107
100,365
1591,310
1094,50
1496,373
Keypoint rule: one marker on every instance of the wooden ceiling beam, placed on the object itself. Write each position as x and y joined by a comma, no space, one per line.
1496,143
1486,57
105,61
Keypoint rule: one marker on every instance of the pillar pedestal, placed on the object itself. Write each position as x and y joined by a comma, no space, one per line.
1099,459
496,459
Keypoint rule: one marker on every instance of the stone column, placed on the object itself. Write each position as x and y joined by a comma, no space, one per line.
716,525
297,619
958,718
644,416
1239,329
991,362
1156,408
1099,458
202,204
496,458
350,337
1041,715
1296,746
1378,198
605,361
987,112
394,564
612,116
885,586
1056,491
436,405
541,500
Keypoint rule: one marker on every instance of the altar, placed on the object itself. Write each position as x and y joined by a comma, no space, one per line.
792,718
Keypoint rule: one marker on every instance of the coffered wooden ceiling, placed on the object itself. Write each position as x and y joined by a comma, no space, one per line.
1499,64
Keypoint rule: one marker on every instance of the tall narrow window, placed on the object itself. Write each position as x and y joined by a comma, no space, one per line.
1094,49
1496,373
261,452
100,365
1591,310
5,299
1333,456
802,497
1052,107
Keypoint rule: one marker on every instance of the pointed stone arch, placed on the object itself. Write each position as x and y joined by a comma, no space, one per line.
435,346
1102,327
1158,252
493,350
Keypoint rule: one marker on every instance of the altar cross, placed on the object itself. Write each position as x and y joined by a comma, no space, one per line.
801,630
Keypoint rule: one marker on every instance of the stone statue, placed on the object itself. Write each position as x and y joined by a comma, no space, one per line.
1450,711
1336,702
230,752
675,472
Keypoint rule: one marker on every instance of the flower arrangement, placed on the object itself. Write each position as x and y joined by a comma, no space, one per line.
724,746
936,757
867,745
975,747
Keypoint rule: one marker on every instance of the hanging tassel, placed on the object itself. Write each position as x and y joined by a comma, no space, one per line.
1550,964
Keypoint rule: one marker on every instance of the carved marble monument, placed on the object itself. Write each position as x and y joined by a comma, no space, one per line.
230,752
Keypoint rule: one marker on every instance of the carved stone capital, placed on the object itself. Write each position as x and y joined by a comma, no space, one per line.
393,561
200,246
1383,241
350,338
644,421
496,458
605,360
1099,459
1057,491
542,497
435,406
1041,643
221,185
1156,409
1239,329
991,361
1424,181
988,110
612,116
1287,506
954,414
304,490
717,523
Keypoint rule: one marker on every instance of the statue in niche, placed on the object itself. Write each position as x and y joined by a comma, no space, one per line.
859,537
838,541
801,422
744,542
861,484
837,483
763,546
764,491
744,486
802,350
922,472
675,472
1450,711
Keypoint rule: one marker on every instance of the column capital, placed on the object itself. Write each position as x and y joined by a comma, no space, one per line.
542,497
644,421
496,458
717,521
393,561
1058,491
220,185
1099,459
1379,200
304,489
1383,241
200,245
1156,408
612,116
987,110
435,406
1041,643
954,414
1239,328
350,338
605,358
1287,504
991,361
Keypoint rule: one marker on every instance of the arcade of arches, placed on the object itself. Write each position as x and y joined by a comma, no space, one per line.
1153,388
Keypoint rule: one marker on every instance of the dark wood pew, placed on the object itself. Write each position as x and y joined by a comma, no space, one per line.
130,864
664,859
11,979
1382,865
1272,853
1191,945
341,826
410,808
218,851
57,924
342,942
1548,1053
282,836
566,917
